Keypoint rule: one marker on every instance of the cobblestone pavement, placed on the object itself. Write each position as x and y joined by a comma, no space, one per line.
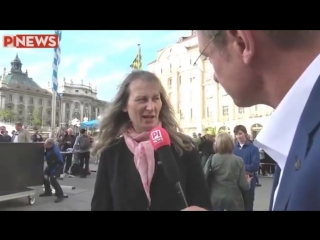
80,198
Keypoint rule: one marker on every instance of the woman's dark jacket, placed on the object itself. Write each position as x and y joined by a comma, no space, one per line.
64,143
119,187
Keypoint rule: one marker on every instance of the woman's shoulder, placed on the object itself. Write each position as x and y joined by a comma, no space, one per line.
114,145
239,160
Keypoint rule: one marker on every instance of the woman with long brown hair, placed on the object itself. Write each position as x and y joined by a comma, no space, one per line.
130,176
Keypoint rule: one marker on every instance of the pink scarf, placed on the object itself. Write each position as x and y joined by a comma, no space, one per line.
143,152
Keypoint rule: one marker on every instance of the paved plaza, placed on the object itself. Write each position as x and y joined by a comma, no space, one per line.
80,198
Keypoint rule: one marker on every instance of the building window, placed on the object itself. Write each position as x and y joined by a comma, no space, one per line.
225,110
31,101
49,102
40,102
181,114
240,110
209,112
169,82
170,68
21,99
191,114
10,98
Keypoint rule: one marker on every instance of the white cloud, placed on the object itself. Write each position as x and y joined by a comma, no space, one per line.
112,79
121,45
111,44
108,85
174,36
85,66
40,72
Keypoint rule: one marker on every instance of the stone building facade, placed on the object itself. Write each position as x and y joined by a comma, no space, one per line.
21,94
198,101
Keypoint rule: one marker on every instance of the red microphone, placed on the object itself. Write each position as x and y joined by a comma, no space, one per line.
161,143
159,137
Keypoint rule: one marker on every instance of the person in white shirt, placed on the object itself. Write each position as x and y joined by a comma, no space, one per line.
278,68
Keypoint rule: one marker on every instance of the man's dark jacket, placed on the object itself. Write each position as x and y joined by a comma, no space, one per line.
54,158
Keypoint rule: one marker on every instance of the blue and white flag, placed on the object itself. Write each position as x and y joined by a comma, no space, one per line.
56,62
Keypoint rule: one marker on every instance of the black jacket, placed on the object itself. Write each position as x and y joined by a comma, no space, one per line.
119,188
5,139
68,138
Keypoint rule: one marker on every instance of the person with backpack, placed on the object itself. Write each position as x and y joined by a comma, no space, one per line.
82,145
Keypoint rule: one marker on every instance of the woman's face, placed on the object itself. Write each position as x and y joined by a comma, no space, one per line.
144,105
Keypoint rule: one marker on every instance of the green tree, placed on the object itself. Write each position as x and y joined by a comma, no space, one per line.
37,118
210,130
6,115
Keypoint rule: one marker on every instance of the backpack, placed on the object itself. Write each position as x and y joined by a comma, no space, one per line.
84,143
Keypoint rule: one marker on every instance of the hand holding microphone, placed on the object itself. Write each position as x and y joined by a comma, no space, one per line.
160,141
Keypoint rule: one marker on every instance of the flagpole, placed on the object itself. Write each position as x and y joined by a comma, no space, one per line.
139,56
55,65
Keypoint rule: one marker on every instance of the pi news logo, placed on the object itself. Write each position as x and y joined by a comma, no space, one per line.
156,136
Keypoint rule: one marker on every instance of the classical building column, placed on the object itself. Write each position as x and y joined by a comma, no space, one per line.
72,108
96,112
26,114
2,101
63,117
81,112
90,112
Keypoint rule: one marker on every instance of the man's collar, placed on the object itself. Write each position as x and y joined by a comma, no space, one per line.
245,143
292,105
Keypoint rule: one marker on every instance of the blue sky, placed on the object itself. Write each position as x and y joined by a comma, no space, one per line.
99,57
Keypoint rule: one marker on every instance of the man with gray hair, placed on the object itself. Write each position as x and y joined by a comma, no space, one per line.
67,142
279,68
52,171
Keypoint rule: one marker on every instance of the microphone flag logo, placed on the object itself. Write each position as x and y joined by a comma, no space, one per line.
156,136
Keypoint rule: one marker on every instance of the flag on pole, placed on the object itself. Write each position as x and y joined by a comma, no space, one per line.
137,62
55,65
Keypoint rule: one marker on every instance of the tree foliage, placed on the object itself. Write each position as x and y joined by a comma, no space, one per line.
37,118
6,115
210,130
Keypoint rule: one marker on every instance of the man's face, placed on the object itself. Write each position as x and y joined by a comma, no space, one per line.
231,61
241,136
47,145
3,130
18,127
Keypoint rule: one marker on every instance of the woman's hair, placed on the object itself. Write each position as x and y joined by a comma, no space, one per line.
115,122
224,144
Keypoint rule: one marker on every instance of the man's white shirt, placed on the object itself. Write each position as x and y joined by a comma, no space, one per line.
15,139
277,137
